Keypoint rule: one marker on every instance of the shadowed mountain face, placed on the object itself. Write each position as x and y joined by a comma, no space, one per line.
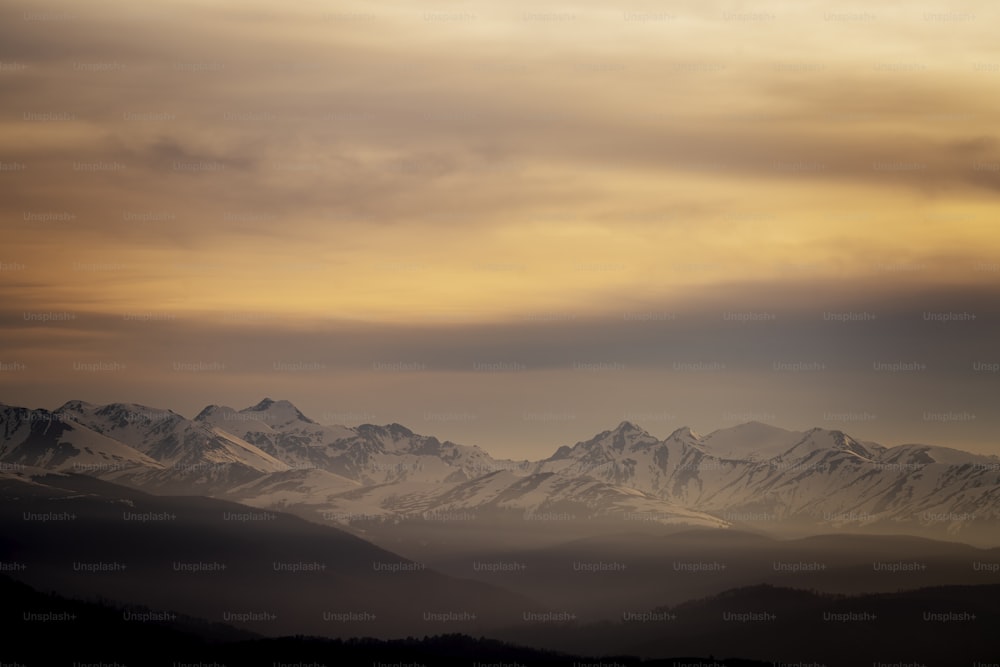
43,439
265,571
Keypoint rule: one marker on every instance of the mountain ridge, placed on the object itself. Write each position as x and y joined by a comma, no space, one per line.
270,454
266,404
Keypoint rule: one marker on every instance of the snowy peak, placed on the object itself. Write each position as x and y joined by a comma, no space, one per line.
749,443
623,437
75,406
237,422
756,441
123,414
55,441
394,431
917,455
279,413
752,441
686,435
627,426
117,419
167,438
209,412
818,440
369,453
849,444
606,445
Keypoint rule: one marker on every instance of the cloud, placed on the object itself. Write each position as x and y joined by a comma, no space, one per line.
501,182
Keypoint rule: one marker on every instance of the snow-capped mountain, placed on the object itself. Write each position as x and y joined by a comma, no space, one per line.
548,495
272,455
168,437
754,441
188,457
43,439
308,488
756,472
495,496
368,454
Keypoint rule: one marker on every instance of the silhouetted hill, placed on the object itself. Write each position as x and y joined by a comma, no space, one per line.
271,573
55,631
934,627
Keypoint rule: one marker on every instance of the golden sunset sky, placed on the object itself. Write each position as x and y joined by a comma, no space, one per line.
508,223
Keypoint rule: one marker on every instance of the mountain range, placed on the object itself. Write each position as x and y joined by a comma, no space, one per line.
752,476
263,523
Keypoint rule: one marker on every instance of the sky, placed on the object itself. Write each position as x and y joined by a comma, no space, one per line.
508,224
